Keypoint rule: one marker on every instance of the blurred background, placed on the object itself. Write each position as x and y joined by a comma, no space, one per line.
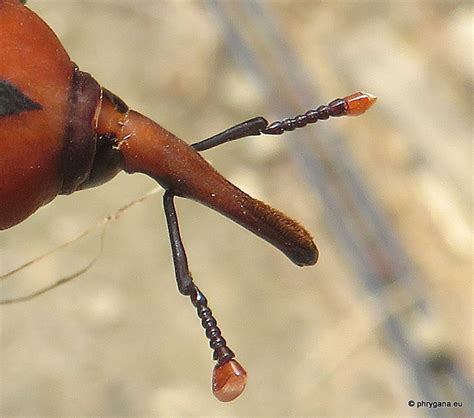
386,315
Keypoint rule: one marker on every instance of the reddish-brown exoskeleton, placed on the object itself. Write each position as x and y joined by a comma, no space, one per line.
61,132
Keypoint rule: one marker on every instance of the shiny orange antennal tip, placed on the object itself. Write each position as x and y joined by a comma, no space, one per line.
359,103
228,381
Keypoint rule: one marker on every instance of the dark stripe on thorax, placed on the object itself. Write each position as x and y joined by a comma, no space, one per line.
14,101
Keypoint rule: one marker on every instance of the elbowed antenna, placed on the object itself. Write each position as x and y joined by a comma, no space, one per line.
352,105
228,377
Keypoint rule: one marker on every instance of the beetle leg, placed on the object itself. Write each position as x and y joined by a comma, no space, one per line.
251,127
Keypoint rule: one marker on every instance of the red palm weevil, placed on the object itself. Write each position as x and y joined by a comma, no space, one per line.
61,132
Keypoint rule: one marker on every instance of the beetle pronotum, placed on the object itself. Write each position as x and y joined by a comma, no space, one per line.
61,132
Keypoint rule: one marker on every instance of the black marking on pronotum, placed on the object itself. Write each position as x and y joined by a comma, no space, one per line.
13,100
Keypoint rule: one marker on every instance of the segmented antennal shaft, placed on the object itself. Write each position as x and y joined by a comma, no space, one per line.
311,116
228,377
222,354
352,105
